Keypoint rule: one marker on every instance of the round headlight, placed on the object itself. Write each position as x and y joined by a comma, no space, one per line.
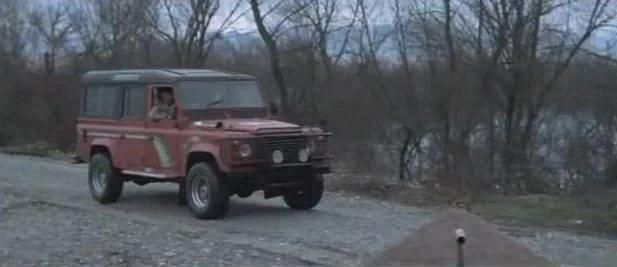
303,155
245,150
277,157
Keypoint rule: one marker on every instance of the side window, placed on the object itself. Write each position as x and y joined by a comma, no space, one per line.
102,101
90,96
158,95
134,101
163,104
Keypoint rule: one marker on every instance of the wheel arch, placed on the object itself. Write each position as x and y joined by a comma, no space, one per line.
204,152
96,149
105,147
200,156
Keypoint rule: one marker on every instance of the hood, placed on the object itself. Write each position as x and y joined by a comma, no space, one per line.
250,125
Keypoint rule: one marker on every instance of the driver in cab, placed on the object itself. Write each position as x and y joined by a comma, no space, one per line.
165,108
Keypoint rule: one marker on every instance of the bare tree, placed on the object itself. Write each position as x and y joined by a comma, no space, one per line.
319,35
54,26
533,67
188,27
12,30
270,38
398,94
111,31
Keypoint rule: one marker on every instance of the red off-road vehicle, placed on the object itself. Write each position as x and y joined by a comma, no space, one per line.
218,138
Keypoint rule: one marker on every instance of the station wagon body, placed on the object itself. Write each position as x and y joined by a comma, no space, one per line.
222,130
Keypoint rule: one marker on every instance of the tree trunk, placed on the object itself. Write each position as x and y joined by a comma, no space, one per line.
491,146
507,150
402,162
418,148
446,146
275,61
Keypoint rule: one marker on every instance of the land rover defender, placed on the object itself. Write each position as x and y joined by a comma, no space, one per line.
214,136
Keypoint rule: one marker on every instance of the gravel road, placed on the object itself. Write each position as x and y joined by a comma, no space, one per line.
47,217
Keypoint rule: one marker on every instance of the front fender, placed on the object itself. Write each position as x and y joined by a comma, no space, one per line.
212,149
107,143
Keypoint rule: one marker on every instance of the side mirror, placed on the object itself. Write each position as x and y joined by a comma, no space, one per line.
274,109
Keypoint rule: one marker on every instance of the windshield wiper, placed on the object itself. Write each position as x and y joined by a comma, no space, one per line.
214,102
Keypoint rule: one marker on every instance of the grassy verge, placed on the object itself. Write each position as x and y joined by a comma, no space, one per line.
594,213
38,149
375,187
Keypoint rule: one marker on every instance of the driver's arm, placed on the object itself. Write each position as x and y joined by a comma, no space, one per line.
156,114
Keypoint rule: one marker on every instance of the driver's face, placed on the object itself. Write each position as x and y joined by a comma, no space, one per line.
167,98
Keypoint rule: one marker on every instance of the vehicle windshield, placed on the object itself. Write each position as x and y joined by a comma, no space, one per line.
199,95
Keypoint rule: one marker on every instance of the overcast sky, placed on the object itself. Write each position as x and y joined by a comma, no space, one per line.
380,11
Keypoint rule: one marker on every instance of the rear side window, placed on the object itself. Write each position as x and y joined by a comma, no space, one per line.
102,101
134,101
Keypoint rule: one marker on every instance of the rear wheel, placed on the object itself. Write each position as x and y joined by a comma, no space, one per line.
206,195
307,195
104,179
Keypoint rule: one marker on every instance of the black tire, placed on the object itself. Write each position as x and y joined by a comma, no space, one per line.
307,196
104,179
181,200
214,202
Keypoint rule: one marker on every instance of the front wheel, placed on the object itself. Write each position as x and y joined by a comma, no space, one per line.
206,195
307,195
104,179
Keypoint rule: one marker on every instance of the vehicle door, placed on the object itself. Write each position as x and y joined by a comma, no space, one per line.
162,151
132,124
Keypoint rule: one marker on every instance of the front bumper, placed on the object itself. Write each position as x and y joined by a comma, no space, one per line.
267,169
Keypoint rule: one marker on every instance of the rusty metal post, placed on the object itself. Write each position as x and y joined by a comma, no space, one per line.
460,241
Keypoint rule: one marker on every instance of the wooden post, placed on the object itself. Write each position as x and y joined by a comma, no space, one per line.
460,240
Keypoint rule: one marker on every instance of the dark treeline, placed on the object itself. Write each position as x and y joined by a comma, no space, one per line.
515,96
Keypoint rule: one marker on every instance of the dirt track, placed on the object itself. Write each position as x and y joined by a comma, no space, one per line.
48,218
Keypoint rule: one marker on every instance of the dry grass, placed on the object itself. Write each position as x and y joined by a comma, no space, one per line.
376,186
593,213
38,149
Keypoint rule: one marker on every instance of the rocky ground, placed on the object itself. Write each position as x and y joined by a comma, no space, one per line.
48,218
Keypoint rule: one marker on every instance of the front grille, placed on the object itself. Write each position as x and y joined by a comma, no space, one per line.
289,145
